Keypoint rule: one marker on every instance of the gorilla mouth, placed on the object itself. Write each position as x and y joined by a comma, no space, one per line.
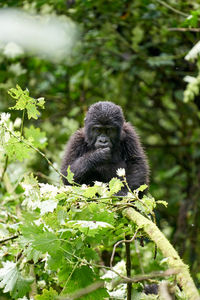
102,145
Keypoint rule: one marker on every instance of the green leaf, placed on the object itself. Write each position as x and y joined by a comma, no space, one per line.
24,101
39,139
41,102
21,97
43,241
70,175
115,186
32,109
12,281
142,188
90,192
47,295
162,202
17,150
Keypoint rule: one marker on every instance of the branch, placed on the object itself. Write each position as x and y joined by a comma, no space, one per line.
9,238
152,275
118,243
172,8
100,284
185,29
90,288
173,259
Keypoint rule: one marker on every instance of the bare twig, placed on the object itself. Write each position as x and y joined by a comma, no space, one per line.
172,8
185,29
9,238
5,167
118,243
100,284
85,291
152,275
128,266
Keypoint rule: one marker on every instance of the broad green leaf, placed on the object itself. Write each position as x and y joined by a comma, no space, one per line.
40,240
142,188
17,150
21,97
41,102
12,281
162,202
70,175
115,186
90,192
24,101
47,295
39,139
32,109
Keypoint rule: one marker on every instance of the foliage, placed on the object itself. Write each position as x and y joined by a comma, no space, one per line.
131,53
58,233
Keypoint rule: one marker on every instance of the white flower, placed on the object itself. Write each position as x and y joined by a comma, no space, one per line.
194,52
4,117
17,123
48,188
91,224
120,172
17,69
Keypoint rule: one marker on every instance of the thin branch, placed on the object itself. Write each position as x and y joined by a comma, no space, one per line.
5,168
172,8
185,29
153,275
85,291
100,284
22,124
118,243
128,267
9,238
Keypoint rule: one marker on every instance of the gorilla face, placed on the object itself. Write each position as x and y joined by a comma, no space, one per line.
103,125
104,135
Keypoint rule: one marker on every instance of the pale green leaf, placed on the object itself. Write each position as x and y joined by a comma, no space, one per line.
12,281
70,175
39,139
162,202
115,186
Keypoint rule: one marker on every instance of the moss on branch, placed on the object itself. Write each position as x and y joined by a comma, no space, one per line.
174,261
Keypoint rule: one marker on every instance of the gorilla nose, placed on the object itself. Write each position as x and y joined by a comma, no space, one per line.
103,140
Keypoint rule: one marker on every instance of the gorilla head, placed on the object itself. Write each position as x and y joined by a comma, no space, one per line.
103,125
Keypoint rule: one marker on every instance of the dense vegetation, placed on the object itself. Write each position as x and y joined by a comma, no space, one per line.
134,54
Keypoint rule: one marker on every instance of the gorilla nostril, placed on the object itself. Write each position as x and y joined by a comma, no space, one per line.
103,140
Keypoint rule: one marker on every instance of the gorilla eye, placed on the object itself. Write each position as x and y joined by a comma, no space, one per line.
111,131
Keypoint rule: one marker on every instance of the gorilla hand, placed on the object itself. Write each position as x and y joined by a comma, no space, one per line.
103,155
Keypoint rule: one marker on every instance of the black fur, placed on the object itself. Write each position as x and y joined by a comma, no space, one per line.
90,163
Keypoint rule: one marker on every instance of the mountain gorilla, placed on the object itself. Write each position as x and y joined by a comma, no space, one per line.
105,144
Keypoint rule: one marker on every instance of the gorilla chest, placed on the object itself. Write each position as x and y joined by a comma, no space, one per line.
107,172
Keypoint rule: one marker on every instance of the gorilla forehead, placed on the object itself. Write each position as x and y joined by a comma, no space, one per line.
105,112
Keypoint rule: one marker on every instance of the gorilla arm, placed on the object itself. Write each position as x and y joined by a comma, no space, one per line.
81,159
137,170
